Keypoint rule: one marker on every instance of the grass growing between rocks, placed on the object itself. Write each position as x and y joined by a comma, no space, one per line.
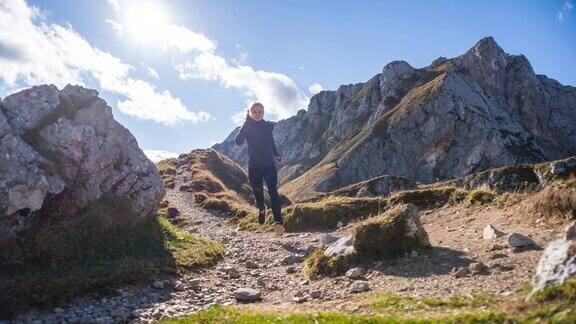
95,252
324,214
556,307
556,200
480,196
429,197
384,236
317,264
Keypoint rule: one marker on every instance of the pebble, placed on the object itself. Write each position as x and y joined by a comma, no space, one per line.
247,294
356,273
359,286
159,284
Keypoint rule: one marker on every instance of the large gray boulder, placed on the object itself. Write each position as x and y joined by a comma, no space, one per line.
61,150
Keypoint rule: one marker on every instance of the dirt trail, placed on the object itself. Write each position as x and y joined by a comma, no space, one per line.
273,265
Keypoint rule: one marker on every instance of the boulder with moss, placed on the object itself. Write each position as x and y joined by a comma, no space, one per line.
61,150
388,235
393,233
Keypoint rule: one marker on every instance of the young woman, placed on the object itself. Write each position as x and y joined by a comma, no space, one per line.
261,154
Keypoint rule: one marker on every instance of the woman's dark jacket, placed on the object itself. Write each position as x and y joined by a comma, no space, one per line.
261,147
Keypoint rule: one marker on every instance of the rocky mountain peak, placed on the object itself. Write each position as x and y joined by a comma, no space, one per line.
482,109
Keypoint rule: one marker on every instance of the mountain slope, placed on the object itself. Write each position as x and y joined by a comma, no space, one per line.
482,109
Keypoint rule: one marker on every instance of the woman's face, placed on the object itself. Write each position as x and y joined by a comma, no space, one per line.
257,112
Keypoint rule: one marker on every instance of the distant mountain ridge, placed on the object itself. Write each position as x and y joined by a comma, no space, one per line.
485,108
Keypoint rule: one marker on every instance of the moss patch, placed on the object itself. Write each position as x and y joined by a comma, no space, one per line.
480,196
318,264
386,235
431,197
326,213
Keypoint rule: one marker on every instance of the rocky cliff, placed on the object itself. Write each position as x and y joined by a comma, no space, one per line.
482,109
60,150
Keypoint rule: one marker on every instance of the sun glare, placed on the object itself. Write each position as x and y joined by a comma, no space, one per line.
146,22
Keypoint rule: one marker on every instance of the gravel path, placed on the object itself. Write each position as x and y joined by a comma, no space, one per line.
273,265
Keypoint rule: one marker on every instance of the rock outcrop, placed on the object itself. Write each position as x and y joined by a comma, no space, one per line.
558,262
60,150
483,109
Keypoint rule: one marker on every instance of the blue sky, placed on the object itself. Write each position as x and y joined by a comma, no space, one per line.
177,72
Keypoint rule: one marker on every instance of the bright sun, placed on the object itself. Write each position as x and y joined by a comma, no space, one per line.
146,22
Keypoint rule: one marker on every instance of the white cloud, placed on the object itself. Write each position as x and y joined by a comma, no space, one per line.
59,55
277,92
185,40
564,12
145,102
159,155
115,4
153,73
116,26
315,88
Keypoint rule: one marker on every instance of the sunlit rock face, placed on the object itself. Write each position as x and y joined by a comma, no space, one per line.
482,109
62,149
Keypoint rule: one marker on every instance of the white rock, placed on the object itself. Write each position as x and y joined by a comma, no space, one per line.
490,232
341,247
356,273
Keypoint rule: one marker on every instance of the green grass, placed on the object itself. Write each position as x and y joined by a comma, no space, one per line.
392,308
384,235
388,302
430,197
480,196
566,291
219,314
324,214
318,264
96,251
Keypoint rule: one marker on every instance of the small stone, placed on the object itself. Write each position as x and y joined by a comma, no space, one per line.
291,259
478,268
159,284
328,239
251,264
356,273
316,294
172,213
260,282
291,269
490,232
194,282
460,272
299,300
247,294
179,286
516,240
359,286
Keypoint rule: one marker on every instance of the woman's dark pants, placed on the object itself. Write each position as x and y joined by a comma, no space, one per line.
268,174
